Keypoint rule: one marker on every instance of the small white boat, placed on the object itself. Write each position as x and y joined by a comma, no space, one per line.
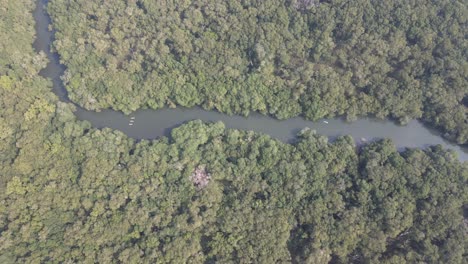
132,117
131,124
325,121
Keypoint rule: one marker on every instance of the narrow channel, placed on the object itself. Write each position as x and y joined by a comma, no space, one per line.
151,124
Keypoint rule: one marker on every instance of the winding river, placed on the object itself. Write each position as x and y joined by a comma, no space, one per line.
150,124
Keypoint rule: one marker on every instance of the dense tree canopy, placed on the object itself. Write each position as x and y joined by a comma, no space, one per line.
70,193
398,59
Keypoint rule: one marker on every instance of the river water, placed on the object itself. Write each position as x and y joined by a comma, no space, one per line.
151,124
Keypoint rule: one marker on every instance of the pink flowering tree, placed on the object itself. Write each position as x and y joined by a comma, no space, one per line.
200,177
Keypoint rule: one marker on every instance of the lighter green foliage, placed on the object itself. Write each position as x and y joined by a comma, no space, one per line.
6,82
15,186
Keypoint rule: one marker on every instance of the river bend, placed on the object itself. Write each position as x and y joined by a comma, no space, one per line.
151,124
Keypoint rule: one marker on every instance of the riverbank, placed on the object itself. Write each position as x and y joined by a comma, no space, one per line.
151,124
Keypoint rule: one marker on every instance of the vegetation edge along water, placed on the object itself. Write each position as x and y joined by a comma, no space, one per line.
153,124
402,60
73,193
